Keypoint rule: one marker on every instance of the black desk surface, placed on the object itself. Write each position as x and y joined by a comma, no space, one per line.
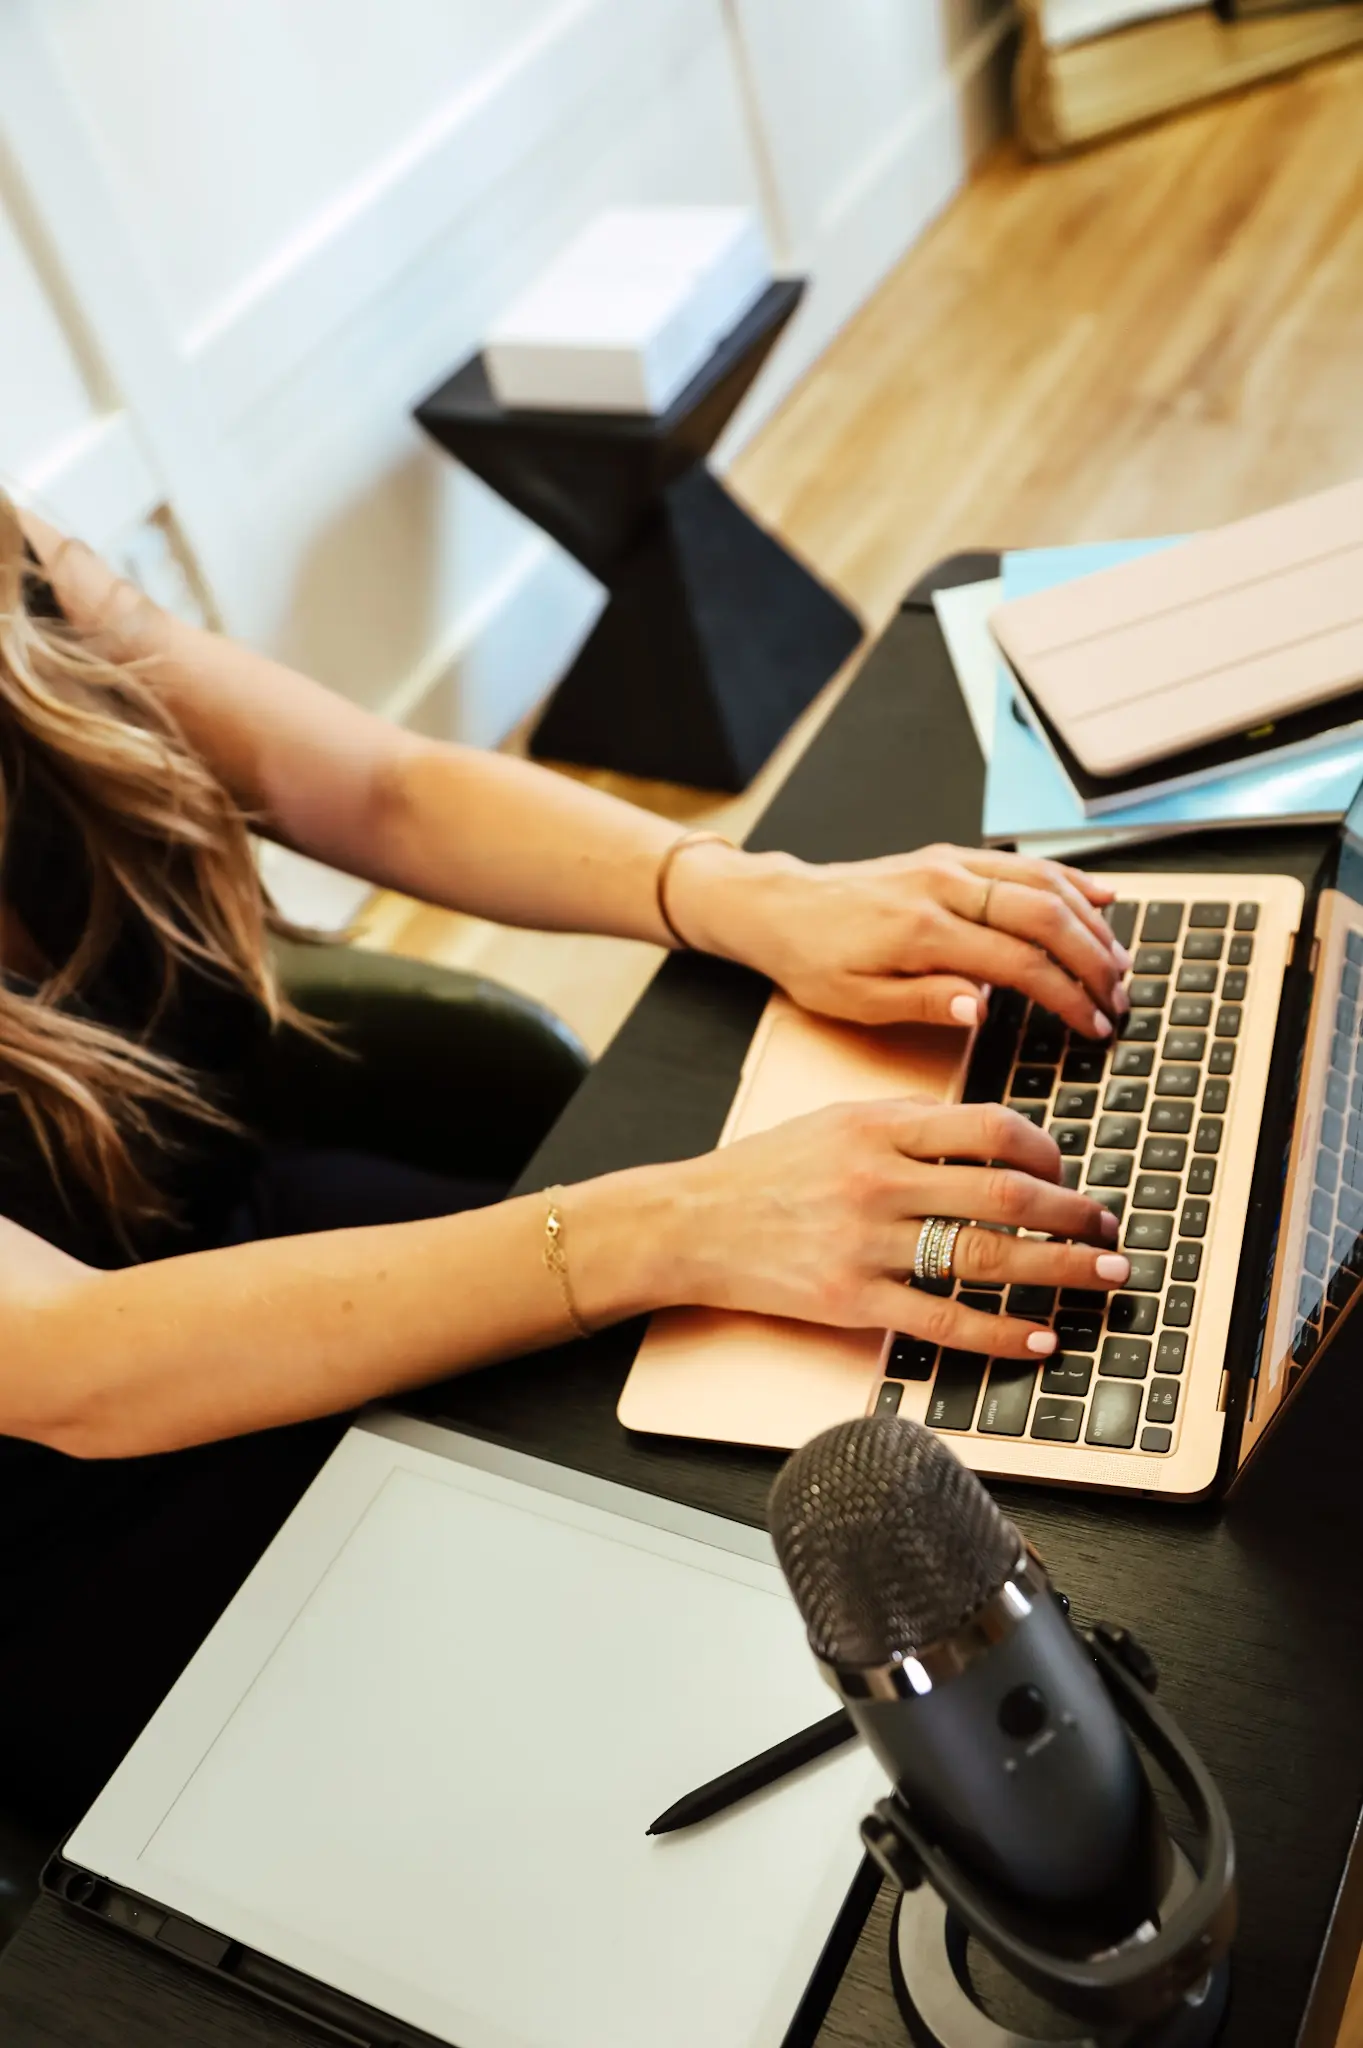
1255,1613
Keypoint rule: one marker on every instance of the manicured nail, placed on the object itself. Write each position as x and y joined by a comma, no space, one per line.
1121,1001
1043,1342
965,1009
1113,1265
1123,957
1102,1026
1107,1225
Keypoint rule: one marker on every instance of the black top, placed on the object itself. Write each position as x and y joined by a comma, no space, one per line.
211,1027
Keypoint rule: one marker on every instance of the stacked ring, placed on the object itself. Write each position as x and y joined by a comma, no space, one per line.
936,1248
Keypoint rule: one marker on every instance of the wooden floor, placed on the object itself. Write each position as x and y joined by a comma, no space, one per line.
1161,335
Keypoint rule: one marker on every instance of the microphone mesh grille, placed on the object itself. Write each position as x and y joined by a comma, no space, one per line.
887,1541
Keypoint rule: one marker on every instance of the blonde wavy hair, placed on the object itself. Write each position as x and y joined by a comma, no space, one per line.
163,840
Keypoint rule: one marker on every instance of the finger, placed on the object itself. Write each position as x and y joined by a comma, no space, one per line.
1061,881
1042,918
919,999
940,1319
1003,1194
978,1130
989,955
990,1258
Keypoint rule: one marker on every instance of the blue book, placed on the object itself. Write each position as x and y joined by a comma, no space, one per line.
1028,797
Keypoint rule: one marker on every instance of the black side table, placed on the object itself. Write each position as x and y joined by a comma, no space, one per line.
713,638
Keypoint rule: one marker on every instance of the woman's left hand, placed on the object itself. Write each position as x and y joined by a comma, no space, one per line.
911,938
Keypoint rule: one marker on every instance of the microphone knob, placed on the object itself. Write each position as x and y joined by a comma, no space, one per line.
888,1850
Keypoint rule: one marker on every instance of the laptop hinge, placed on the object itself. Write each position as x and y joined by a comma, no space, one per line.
1223,1397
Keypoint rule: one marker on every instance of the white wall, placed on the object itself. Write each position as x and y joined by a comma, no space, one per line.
237,243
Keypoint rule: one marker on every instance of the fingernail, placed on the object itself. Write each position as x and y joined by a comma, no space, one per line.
1123,957
1121,1001
1107,1225
1113,1265
965,1009
1102,1026
1042,1341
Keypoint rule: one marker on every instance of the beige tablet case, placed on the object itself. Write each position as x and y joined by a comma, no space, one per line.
744,1379
1233,629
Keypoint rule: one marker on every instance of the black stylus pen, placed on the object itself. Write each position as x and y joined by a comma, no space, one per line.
745,1779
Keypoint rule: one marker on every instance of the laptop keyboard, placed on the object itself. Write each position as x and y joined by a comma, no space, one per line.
1139,1120
1332,1255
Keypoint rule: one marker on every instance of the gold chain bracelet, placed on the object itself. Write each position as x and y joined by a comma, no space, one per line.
556,1259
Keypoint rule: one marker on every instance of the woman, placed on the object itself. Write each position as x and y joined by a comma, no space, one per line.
168,1353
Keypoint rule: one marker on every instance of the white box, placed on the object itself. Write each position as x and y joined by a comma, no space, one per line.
624,318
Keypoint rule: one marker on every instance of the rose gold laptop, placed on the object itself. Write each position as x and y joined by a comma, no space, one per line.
1168,1386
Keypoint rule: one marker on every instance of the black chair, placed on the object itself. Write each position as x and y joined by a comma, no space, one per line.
431,1067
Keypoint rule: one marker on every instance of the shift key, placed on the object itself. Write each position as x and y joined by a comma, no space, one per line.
1008,1397
956,1389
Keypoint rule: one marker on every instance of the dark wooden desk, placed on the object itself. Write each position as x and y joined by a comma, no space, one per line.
1255,1614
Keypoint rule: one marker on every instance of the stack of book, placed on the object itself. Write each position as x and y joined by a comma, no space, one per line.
1086,68
1300,768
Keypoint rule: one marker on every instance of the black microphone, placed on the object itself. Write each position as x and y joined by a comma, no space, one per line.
961,1670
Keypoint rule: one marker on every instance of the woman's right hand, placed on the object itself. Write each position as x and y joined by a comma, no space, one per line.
819,1219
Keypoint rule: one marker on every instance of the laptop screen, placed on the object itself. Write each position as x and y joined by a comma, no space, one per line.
1318,1264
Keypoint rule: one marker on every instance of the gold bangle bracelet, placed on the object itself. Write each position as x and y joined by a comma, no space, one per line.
665,870
556,1259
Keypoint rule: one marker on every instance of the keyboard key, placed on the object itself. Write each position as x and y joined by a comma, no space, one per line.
1215,1096
1315,1252
1085,1061
1203,946
1187,1261
1322,1211
1133,1059
1139,1027
1222,1060
1192,1010
1177,1081
1193,1221
1156,1439
1036,1303
1351,981
889,1398
1327,1170
1196,979
988,1303
1241,952
959,1379
1148,1233
1114,1204
1184,1045
1044,1040
1228,1020
1125,1358
1234,985
1172,1116
1171,1351
1034,1084
1346,1015
1309,1297
1035,1112
1147,994
1147,1274
1057,1422
1153,960
1078,1329
1246,917
1072,1138
1340,1292
1126,1098
1076,1102
1084,1297
1109,1170
1353,948
1121,922
1332,1130
1113,1414
1208,1135
1201,1176
1157,1191
1132,1315
1071,1173
1164,1155
1341,1052
1350,1208
910,1358
1162,925
1336,1090
1161,1403
1210,917
1118,1133
1007,1398
1067,1374
1178,1307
